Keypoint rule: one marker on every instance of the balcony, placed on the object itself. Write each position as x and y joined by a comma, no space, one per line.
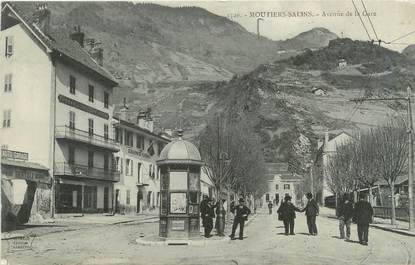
65,132
80,171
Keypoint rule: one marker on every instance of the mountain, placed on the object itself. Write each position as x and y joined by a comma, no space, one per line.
409,51
314,38
277,97
145,43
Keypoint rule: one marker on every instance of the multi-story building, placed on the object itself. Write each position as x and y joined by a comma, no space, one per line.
139,187
56,106
281,182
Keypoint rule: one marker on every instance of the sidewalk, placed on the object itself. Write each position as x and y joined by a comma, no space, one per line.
58,225
401,227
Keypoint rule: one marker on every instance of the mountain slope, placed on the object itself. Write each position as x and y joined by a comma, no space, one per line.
409,51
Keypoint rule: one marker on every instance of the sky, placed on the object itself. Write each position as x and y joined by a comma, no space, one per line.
286,19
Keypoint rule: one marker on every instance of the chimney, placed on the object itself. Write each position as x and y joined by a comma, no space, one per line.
98,55
326,138
42,18
124,110
78,35
144,120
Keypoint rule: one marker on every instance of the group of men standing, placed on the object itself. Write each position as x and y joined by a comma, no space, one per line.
208,208
362,212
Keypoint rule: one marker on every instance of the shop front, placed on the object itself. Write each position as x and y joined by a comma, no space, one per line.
20,180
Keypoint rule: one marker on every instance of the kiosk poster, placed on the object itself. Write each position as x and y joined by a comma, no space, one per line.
193,181
178,202
178,180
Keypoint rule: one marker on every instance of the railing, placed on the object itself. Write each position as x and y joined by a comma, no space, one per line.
86,172
67,132
385,212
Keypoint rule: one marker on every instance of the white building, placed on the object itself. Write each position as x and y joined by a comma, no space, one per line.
327,149
281,183
57,108
139,187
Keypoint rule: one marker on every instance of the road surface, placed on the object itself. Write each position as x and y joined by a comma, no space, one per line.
265,244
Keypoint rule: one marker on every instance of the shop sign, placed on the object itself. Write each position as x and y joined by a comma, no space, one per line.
82,106
26,174
14,155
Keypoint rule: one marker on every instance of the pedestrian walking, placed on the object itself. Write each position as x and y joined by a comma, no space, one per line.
270,207
286,213
241,213
345,215
311,211
220,217
364,214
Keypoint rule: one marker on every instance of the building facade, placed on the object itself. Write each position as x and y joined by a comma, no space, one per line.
56,105
139,187
281,183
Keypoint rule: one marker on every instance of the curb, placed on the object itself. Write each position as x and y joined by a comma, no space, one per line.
180,242
144,220
401,232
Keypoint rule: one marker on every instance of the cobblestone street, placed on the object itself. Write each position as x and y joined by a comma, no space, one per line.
265,243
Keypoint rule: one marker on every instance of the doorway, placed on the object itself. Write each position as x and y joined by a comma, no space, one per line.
106,197
117,201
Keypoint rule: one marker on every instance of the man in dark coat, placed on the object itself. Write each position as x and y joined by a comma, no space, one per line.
241,213
311,211
363,213
204,214
345,215
286,213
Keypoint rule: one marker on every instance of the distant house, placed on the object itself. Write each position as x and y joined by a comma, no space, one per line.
342,63
318,91
281,182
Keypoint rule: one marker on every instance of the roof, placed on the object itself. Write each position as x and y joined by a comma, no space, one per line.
399,180
275,168
23,164
290,177
136,127
62,46
180,152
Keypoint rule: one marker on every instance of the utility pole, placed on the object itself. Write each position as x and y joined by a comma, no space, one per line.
257,27
410,168
410,153
311,180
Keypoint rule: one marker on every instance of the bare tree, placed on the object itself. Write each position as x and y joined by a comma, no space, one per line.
390,150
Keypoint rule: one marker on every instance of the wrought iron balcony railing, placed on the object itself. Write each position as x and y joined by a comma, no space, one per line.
66,132
81,171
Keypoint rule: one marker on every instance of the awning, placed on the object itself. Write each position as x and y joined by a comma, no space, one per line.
25,170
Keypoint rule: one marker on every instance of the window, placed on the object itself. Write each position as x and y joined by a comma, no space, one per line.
127,200
267,197
138,172
90,197
90,159
9,46
151,171
71,158
106,162
91,93
160,147
121,166
286,186
72,84
72,120
128,138
7,116
140,142
8,82
128,167
118,135
106,131
106,100
276,187
90,127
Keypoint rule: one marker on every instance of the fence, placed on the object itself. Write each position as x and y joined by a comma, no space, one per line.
385,212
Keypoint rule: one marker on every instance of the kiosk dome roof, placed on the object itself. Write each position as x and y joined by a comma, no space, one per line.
180,152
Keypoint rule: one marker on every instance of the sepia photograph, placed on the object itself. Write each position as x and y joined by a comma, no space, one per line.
207,132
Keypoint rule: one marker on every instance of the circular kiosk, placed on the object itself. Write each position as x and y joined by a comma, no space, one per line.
180,165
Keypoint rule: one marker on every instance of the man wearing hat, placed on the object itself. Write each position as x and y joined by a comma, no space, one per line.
286,213
205,215
241,213
311,211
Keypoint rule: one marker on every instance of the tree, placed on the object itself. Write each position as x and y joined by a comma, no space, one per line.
233,156
390,150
